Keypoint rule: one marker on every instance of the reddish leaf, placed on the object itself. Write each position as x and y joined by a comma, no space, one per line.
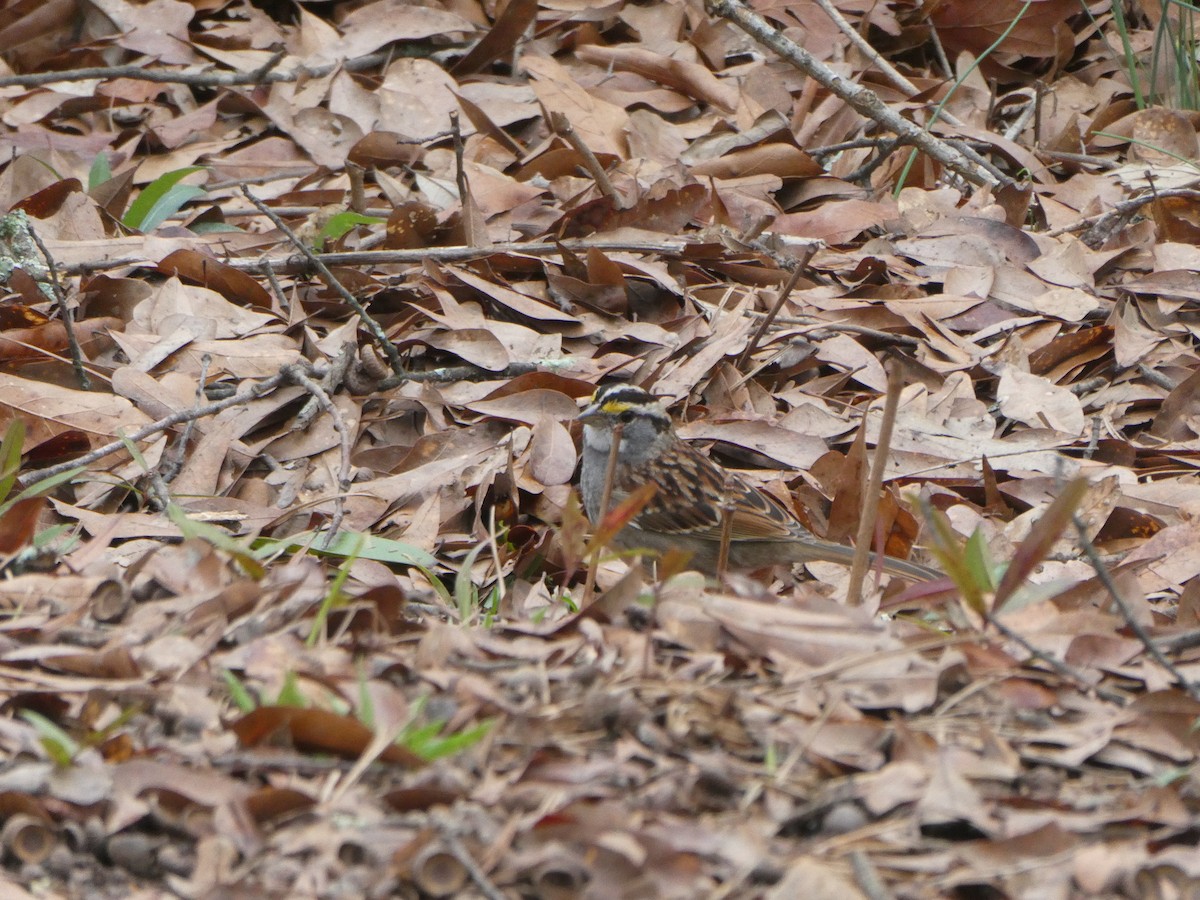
19,524
200,268
316,731
60,448
270,804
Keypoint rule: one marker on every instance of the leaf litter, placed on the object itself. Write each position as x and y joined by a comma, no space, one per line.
205,692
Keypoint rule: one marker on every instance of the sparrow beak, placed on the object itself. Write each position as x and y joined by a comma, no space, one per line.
590,413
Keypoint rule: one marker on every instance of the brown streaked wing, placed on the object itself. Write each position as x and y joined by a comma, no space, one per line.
758,515
681,505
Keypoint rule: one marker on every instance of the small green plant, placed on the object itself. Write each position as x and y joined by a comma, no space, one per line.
161,199
289,693
217,538
1169,73
64,749
10,460
100,171
333,596
341,224
466,592
238,692
985,586
937,111
59,746
466,599
425,739
771,759
429,743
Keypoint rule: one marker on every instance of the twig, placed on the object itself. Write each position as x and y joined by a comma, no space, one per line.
863,173
862,100
260,74
64,309
904,84
858,143
752,344
450,374
460,169
278,173
562,125
940,51
242,212
290,265
1101,225
172,462
897,79
1069,672
967,149
1192,688
893,75
816,326
1088,385
1156,377
1174,643
872,55
610,471
263,75
1013,131
459,852
1083,159
358,198
331,383
184,415
866,525
297,375
373,327
276,288
1039,95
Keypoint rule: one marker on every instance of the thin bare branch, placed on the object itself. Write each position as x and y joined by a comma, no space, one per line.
862,100
64,310
153,72
297,375
1191,687
752,344
373,328
260,389
562,125
295,264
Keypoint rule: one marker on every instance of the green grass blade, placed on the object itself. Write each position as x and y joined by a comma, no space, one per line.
139,212
10,456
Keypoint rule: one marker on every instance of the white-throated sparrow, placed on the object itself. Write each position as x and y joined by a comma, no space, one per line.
694,495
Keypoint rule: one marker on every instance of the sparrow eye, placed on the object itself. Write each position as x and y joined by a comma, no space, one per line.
626,416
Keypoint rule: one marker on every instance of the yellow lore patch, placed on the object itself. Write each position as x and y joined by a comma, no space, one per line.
615,407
